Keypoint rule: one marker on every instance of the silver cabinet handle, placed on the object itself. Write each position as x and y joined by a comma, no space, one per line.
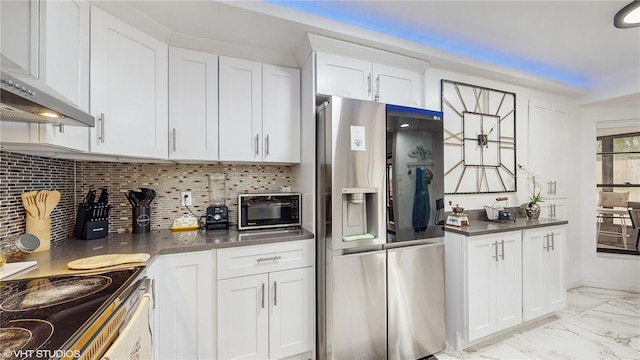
369,84
495,243
549,188
257,139
546,239
173,139
60,128
553,242
266,145
555,183
101,136
377,97
273,258
502,245
275,293
263,295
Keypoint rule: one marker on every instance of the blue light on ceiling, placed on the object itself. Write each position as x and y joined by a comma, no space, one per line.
341,11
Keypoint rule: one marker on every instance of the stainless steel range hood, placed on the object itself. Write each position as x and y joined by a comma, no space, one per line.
20,101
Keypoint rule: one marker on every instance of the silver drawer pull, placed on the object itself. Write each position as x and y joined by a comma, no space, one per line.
273,258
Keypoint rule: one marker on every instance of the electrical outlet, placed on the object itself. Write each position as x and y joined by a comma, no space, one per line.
186,199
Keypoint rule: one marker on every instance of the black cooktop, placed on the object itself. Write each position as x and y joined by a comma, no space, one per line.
39,318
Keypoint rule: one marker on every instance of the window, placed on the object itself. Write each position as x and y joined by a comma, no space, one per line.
618,170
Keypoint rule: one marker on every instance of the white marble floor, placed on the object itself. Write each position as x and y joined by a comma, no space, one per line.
597,324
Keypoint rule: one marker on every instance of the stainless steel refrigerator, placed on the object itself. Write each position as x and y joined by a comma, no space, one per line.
380,250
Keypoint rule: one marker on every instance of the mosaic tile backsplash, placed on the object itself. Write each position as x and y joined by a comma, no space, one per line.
20,173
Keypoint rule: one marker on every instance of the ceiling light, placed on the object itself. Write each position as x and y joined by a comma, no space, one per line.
629,16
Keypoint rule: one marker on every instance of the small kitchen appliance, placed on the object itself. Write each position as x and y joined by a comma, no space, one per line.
457,218
217,217
265,211
498,212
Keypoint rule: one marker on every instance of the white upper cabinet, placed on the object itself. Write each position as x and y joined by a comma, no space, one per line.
193,105
359,79
128,89
19,36
547,147
48,41
281,114
240,110
259,114
64,49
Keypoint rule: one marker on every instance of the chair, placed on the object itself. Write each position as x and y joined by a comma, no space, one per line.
634,214
612,206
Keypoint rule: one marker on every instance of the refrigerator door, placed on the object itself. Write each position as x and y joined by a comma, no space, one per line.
416,313
351,157
414,174
358,307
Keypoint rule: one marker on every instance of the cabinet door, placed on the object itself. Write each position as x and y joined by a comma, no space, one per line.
128,89
240,110
64,49
291,312
554,208
281,114
343,76
534,253
193,105
556,292
544,289
508,297
19,21
185,306
243,317
397,86
67,137
482,258
557,152
546,147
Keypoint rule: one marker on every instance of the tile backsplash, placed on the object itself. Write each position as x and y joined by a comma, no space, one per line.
20,173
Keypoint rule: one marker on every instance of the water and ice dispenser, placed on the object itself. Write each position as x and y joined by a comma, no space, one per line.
359,214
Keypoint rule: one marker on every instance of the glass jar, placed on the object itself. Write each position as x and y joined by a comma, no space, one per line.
21,247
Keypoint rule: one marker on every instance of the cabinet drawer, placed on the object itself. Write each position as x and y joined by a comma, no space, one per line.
249,260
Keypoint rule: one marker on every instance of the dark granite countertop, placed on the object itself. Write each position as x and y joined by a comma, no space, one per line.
54,261
480,226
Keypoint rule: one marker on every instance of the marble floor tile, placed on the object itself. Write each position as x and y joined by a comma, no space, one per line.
596,324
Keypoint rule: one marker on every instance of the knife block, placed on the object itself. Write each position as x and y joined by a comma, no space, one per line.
92,223
41,228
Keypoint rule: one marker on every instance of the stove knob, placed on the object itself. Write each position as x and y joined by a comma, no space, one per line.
216,217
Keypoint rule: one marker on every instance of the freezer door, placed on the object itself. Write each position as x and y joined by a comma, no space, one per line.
359,329
416,301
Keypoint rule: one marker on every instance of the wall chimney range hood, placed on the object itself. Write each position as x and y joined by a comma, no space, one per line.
20,101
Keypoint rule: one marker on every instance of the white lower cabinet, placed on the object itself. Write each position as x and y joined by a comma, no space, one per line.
494,283
542,272
497,281
267,315
184,309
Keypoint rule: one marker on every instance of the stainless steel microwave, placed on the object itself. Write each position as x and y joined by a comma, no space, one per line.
265,211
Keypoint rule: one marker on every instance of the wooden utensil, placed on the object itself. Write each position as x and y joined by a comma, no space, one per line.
51,202
99,261
41,198
29,203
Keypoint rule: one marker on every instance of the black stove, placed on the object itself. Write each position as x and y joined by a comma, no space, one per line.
43,317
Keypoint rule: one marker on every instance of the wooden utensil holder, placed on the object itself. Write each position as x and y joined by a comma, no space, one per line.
41,228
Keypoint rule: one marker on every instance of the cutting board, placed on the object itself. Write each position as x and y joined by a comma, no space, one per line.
100,261
12,268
